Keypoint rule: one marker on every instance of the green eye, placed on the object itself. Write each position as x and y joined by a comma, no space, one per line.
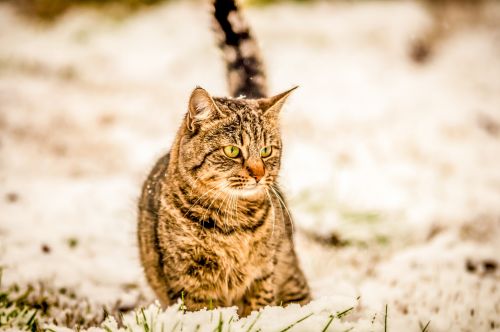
232,151
265,151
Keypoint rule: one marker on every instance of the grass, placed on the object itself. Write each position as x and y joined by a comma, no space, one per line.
295,323
29,309
49,10
339,315
219,326
144,321
25,318
385,319
423,328
330,320
253,323
15,312
344,313
360,216
72,242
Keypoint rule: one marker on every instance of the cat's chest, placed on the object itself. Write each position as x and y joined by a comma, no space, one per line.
238,253
240,260
238,250
241,246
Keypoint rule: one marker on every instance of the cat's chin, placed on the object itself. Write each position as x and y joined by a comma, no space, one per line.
247,191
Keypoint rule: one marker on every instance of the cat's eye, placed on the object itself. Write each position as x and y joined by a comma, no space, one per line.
232,151
265,151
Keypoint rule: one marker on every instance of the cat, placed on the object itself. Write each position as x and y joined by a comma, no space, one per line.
214,229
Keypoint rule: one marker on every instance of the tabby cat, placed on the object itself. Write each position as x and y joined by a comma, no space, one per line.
214,228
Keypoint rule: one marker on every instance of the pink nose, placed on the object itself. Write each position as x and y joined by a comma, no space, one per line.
256,170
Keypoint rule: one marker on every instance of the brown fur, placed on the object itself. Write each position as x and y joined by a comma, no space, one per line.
216,230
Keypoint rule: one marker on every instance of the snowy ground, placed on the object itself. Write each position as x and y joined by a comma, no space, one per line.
392,168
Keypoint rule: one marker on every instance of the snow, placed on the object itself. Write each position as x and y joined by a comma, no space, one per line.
398,160
316,314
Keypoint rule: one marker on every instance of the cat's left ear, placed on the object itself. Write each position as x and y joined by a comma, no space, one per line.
201,107
273,105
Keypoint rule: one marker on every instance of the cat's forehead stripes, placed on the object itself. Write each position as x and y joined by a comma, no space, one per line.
248,125
240,106
251,127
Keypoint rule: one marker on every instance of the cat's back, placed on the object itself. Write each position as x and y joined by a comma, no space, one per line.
147,226
147,202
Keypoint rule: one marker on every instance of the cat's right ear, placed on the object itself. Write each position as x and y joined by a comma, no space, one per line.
201,107
273,105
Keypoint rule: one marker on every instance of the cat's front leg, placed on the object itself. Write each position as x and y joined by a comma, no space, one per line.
261,293
194,298
295,288
195,282
197,301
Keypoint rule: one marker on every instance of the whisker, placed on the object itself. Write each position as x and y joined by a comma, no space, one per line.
284,205
274,211
224,223
234,206
220,206
199,198
207,210
225,209
194,184
229,207
281,209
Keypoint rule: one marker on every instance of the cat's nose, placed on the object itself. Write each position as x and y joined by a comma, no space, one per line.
256,170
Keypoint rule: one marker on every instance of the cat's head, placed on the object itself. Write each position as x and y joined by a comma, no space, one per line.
232,145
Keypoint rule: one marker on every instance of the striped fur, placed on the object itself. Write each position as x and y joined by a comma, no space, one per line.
210,230
244,65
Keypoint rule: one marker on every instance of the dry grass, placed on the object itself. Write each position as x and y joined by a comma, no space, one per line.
49,10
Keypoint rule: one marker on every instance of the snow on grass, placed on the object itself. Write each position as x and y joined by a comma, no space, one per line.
325,314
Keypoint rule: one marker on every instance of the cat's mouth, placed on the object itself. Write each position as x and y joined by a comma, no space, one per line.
246,189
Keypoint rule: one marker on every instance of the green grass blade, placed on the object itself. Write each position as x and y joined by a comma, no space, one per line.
328,324
253,323
424,329
295,323
385,319
220,324
32,318
343,313
175,326
145,321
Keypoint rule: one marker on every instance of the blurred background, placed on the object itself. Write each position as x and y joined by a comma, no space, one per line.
392,148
